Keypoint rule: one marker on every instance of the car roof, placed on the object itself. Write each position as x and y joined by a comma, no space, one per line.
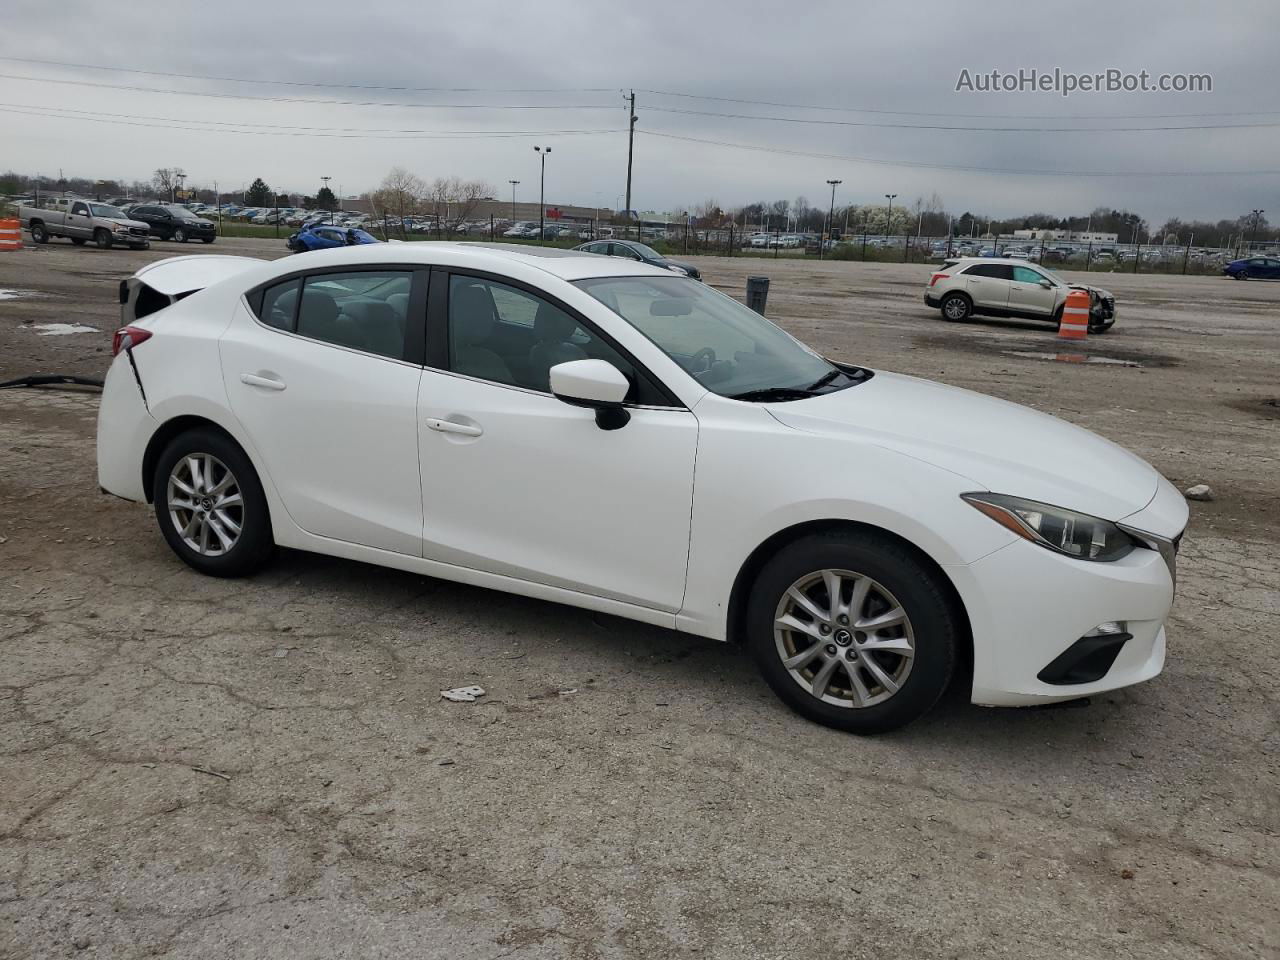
969,261
565,264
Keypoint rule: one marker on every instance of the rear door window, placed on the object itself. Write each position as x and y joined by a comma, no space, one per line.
993,271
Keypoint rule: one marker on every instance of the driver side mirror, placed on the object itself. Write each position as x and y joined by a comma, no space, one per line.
595,384
1046,284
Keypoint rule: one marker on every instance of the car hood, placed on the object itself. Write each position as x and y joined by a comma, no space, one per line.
1090,288
1002,447
126,222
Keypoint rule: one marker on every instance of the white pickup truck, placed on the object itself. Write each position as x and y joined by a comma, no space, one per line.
83,220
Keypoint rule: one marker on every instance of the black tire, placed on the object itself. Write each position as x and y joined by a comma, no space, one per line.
78,241
206,239
179,235
255,543
956,307
39,234
102,238
1242,275
932,617
1097,329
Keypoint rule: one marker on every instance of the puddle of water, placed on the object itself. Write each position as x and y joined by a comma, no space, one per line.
12,294
61,329
1072,358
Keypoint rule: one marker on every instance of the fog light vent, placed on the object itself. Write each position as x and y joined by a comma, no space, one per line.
1089,658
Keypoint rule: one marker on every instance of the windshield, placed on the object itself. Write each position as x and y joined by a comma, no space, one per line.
182,213
103,210
645,251
727,348
1052,276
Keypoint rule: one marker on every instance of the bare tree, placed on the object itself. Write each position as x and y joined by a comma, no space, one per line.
165,179
400,194
454,200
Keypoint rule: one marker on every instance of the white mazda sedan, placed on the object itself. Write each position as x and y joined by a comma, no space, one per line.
604,434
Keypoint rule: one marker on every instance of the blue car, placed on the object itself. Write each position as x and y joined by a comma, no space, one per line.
1253,268
319,236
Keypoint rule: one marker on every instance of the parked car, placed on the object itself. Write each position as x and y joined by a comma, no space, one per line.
942,528
1253,268
631,250
175,223
994,287
322,236
83,220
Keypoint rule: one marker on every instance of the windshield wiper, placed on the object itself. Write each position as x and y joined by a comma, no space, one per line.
773,393
826,378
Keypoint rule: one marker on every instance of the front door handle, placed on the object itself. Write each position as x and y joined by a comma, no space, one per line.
267,383
451,426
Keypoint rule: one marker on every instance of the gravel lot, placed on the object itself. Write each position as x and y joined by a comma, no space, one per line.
192,767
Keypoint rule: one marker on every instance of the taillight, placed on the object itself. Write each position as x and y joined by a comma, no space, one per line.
135,335
938,276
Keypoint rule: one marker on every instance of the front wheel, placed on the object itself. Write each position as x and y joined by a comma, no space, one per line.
179,235
102,238
206,239
210,505
852,631
1242,275
956,307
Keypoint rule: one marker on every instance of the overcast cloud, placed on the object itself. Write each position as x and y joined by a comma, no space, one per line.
885,57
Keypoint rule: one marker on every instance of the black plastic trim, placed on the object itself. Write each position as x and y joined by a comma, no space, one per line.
1086,660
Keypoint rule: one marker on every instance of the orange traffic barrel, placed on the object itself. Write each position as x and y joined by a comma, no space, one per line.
1075,316
10,234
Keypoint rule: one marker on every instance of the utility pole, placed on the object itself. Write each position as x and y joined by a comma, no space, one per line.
326,186
888,218
514,184
631,146
831,213
1253,237
542,195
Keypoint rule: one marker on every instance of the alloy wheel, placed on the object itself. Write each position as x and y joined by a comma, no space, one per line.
205,504
955,309
844,638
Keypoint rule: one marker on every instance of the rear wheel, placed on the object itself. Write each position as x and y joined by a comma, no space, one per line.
210,505
39,234
956,307
852,631
102,238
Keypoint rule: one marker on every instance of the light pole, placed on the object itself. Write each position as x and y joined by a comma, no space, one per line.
514,184
888,218
831,213
1253,237
326,186
542,194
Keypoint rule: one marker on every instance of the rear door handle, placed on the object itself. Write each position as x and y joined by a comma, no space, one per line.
267,383
450,426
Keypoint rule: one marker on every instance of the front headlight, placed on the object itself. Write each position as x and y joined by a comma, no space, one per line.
680,270
1056,528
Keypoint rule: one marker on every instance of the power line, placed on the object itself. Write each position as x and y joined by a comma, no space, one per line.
939,126
74,113
968,169
307,83
660,93
345,103
963,116
184,125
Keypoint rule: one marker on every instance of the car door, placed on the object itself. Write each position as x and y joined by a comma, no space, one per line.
322,370
78,223
1026,295
988,284
518,483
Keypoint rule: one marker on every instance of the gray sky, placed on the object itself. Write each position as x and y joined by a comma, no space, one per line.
903,57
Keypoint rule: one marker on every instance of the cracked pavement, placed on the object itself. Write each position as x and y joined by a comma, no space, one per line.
192,767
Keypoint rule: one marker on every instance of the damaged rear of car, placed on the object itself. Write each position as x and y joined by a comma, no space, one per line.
139,348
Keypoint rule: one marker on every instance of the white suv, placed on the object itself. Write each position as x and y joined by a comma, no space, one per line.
998,287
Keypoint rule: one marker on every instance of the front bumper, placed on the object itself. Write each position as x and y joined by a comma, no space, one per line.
1028,606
